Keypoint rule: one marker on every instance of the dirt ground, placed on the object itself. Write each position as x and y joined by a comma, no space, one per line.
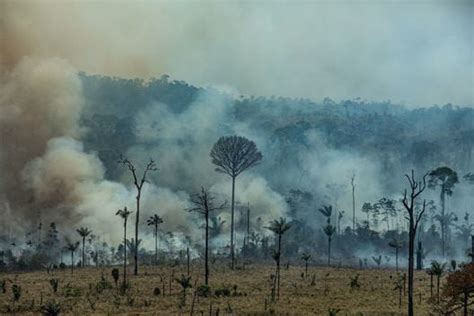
86,292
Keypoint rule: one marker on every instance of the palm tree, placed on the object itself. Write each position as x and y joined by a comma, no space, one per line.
329,230
203,204
185,283
326,210
438,270
445,178
306,257
72,247
394,243
233,155
429,271
84,232
279,227
124,214
154,221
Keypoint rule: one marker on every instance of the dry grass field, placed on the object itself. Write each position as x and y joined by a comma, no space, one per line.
84,293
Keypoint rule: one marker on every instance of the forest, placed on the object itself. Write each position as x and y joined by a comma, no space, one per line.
318,183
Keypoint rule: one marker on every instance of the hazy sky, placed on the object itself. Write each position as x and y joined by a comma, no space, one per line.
416,52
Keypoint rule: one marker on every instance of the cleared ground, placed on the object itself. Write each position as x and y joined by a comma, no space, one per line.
85,292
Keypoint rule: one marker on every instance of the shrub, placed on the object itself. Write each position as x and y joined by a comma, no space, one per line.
115,275
54,284
203,290
16,290
50,309
223,291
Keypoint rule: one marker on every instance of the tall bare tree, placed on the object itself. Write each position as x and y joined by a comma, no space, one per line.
278,227
414,216
155,221
124,215
83,232
445,178
203,203
353,203
233,155
151,166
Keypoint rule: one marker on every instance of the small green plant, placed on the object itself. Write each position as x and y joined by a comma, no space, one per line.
355,282
333,311
16,290
70,291
185,283
51,309
103,284
115,275
54,284
224,291
203,290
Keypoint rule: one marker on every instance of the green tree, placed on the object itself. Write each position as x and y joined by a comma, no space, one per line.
278,227
155,221
84,232
329,230
445,178
124,214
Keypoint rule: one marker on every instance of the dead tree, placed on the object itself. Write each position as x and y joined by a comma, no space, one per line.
353,204
414,217
233,155
203,203
151,166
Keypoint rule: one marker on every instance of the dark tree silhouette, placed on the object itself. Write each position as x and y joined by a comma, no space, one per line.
437,269
278,227
395,244
329,230
72,247
151,166
326,210
124,215
445,178
84,232
353,204
233,155
305,257
414,217
203,204
155,221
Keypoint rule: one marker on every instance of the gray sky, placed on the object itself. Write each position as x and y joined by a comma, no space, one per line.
416,52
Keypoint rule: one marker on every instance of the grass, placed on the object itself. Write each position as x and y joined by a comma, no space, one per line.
93,291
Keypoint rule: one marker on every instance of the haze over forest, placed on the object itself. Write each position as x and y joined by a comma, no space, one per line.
326,90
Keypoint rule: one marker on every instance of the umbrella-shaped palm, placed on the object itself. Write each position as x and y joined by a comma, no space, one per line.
84,232
124,214
438,270
155,221
329,230
72,247
326,210
394,243
279,227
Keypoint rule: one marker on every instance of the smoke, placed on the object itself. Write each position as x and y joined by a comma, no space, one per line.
46,170
417,53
